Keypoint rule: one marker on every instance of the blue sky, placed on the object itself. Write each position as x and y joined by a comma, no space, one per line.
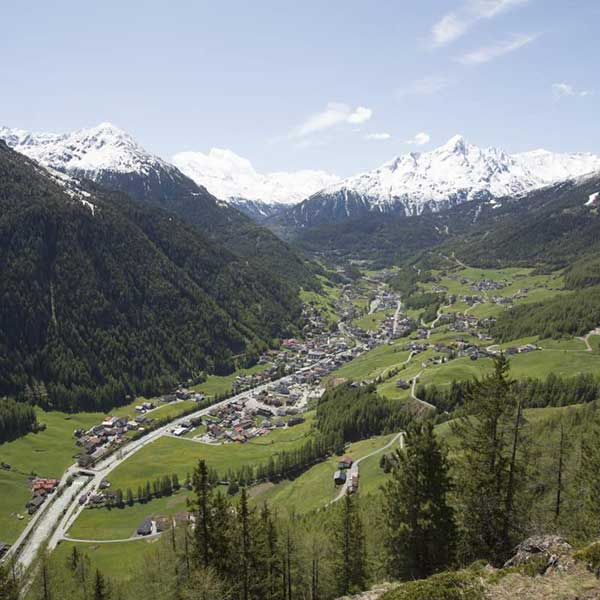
335,85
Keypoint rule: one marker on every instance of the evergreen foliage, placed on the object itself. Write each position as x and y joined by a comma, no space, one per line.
420,531
101,306
16,419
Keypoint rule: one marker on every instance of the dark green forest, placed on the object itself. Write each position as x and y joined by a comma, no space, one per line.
16,419
124,300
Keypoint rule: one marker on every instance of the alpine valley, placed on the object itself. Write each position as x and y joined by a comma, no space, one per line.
226,384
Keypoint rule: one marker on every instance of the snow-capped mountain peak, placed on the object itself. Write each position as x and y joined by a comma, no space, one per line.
453,173
231,177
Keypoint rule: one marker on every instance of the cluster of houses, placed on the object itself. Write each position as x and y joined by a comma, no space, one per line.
101,439
113,432
242,420
40,488
340,477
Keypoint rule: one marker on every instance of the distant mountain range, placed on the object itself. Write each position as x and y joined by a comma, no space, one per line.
410,184
233,178
454,173
111,157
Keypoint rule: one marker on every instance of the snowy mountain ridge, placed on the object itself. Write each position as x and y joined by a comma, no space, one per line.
101,148
451,174
231,177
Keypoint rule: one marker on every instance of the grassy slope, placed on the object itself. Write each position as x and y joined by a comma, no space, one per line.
119,561
219,384
314,488
47,453
121,523
170,455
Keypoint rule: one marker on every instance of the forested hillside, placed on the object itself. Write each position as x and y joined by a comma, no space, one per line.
548,228
102,298
172,191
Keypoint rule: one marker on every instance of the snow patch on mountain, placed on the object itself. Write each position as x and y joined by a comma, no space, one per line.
593,199
231,177
551,167
85,151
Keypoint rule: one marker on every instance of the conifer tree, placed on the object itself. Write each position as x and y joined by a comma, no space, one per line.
100,587
492,470
9,585
349,548
203,509
420,532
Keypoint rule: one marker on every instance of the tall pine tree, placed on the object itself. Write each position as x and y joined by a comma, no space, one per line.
420,530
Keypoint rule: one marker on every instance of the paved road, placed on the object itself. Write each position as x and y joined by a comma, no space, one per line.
354,468
586,339
413,394
396,316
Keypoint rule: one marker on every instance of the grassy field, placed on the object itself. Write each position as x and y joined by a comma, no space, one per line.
373,363
373,321
169,455
47,453
119,561
14,494
315,488
121,523
219,384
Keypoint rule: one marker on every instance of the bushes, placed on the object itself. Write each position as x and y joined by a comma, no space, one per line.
451,585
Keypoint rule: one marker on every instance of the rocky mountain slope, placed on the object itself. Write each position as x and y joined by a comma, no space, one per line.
455,173
543,567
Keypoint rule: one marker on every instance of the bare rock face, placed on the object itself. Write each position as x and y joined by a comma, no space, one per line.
549,552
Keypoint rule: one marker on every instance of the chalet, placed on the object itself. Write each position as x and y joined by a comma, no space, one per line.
35,503
84,460
345,462
110,421
46,485
295,421
181,430
339,477
402,384
146,527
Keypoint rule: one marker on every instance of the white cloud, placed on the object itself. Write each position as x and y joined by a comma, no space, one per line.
360,115
424,87
334,114
456,23
420,139
378,136
449,28
483,55
566,89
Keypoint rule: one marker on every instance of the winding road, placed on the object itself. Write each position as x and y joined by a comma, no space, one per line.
354,468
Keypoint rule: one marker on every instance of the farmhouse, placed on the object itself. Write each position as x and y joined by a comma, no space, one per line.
345,462
146,527
339,477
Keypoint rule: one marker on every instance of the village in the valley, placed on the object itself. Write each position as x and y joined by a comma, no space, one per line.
294,377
